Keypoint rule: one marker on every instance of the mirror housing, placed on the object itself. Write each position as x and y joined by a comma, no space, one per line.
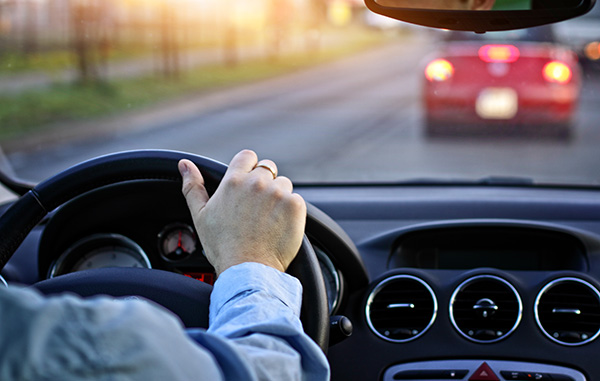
542,12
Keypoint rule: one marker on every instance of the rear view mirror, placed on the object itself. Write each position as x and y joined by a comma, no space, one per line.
480,15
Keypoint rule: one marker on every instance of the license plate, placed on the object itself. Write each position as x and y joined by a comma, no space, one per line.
497,103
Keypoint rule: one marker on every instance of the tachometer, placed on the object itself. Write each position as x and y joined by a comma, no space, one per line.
99,251
331,278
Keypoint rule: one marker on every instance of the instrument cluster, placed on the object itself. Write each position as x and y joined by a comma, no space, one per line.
179,250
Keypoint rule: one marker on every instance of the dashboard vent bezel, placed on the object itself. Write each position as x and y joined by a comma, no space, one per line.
549,286
387,281
472,279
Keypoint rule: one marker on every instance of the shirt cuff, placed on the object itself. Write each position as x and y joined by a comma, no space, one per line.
253,277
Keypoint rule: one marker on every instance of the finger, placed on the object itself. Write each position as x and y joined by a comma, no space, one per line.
284,183
243,162
266,166
193,186
298,204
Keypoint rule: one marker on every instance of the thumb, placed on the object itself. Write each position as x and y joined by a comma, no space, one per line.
193,186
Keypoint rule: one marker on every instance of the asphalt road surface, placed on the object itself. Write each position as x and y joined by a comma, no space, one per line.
358,119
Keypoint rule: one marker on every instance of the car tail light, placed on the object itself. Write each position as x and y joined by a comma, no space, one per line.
439,70
557,72
499,53
592,51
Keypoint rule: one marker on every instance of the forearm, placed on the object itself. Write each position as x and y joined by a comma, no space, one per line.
69,338
258,309
255,334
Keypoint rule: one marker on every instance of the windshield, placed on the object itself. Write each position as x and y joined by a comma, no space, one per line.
543,33
324,88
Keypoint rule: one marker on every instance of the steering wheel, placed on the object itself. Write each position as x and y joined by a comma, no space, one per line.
188,298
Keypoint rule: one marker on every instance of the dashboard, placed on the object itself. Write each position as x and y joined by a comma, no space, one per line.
439,282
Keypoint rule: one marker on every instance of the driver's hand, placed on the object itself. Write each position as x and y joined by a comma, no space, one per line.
252,217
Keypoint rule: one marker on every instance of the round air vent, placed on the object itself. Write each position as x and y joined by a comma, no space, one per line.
401,308
568,311
485,308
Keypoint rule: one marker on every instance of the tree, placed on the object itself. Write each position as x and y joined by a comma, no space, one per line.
5,5
87,17
30,28
169,46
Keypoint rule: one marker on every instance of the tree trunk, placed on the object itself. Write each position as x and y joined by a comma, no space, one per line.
83,43
30,33
169,43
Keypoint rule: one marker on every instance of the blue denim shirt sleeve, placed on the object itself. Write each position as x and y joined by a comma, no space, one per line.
257,308
254,334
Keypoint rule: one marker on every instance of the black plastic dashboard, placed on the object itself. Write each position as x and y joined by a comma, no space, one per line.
467,219
416,254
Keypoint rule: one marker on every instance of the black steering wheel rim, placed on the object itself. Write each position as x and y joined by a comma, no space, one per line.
32,207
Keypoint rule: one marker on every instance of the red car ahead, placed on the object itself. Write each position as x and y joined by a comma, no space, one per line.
517,81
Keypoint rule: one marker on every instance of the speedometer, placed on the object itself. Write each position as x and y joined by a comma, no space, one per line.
100,251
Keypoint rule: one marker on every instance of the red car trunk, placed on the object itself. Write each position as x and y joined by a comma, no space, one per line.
504,84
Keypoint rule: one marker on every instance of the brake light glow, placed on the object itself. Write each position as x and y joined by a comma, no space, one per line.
557,72
439,70
499,53
592,51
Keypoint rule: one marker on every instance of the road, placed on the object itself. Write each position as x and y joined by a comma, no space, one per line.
358,119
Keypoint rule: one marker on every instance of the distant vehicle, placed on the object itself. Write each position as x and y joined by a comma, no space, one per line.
506,82
583,36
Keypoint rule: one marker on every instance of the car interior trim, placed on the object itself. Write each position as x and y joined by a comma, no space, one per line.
469,281
380,286
547,287
467,369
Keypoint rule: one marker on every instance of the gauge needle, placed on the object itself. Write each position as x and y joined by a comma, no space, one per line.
179,240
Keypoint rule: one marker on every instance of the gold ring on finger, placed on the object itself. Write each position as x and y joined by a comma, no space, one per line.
270,168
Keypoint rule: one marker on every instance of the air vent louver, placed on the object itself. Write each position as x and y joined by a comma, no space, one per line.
568,311
485,309
401,308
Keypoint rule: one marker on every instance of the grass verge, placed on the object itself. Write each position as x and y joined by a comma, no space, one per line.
27,112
